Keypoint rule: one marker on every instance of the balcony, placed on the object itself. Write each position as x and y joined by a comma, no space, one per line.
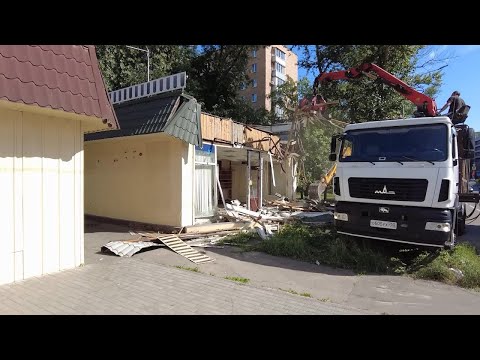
278,74
277,59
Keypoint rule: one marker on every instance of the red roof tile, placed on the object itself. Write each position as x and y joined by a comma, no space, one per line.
63,77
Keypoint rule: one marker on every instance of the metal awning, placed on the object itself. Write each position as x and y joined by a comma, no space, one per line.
173,113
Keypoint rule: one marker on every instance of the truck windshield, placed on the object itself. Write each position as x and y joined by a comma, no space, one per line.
400,144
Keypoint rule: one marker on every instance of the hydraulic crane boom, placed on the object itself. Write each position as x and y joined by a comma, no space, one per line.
426,106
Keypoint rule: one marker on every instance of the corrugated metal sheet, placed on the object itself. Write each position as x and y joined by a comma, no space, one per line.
62,77
179,246
125,248
185,124
174,113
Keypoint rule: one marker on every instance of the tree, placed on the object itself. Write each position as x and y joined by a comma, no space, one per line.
122,66
310,134
363,99
286,97
316,142
217,73
215,77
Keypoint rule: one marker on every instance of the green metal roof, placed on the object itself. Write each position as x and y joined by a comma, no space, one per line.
173,113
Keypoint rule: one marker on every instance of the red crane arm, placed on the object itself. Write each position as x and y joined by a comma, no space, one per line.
424,103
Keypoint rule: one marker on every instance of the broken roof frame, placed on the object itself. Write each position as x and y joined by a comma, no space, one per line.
174,113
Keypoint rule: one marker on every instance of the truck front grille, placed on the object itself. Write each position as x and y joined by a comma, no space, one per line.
388,189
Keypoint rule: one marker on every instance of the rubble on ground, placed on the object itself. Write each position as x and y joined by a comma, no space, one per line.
232,219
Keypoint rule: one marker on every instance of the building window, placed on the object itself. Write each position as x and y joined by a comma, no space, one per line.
254,97
205,186
278,111
280,81
280,54
254,53
254,83
280,68
243,86
254,68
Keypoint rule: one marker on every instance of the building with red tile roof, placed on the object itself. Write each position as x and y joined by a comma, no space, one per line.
50,96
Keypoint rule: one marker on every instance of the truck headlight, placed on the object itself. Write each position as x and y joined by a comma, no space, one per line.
340,216
437,226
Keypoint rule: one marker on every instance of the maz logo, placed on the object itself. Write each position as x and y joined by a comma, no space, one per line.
385,191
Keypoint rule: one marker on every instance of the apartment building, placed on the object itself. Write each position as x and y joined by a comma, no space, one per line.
269,66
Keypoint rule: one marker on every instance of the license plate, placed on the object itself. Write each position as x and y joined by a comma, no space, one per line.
383,224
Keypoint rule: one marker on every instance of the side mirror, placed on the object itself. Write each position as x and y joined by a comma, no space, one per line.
333,149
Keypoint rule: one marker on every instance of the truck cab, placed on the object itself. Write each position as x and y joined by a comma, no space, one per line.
399,181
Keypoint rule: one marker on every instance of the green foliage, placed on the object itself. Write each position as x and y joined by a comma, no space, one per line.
316,144
313,244
322,245
305,294
215,77
363,99
315,134
437,266
122,66
244,240
193,269
285,97
242,111
239,279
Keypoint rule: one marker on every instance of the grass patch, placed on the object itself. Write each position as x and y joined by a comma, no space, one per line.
323,245
313,244
324,300
194,269
291,291
245,241
297,293
238,279
437,266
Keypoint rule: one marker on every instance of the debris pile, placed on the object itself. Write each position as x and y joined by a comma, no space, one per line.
233,219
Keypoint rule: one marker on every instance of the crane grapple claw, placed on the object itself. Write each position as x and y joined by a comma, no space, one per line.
316,104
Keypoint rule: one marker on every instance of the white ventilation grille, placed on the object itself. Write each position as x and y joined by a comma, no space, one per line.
153,87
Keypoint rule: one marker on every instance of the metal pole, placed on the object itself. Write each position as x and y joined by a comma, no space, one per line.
148,58
248,179
148,64
260,180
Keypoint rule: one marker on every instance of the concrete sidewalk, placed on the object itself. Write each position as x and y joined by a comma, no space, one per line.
373,293
149,283
136,287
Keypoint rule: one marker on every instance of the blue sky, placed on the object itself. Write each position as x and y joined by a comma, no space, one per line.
462,73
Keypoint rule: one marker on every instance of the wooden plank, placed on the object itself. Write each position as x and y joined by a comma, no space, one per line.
192,254
211,228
